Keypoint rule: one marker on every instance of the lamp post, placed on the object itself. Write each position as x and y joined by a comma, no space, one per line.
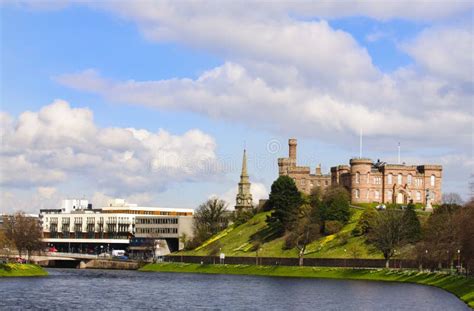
345,258
459,261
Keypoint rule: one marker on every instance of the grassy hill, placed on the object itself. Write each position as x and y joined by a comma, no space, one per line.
237,241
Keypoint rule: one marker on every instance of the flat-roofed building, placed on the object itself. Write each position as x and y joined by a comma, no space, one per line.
113,226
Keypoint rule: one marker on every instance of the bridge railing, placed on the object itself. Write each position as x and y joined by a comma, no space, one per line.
72,255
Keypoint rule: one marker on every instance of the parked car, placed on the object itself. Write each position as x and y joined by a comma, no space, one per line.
381,207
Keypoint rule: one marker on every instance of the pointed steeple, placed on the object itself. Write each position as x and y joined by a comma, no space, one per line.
244,166
244,197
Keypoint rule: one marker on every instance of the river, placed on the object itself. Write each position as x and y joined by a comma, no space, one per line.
128,290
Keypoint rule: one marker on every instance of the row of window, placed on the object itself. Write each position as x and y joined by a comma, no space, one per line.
378,180
156,221
318,183
416,195
157,230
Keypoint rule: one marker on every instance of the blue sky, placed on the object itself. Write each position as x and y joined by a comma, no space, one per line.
40,46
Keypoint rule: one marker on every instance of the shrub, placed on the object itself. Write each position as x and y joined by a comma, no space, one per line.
343,238
365,222
332,227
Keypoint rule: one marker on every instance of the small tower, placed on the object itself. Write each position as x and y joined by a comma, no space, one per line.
244,197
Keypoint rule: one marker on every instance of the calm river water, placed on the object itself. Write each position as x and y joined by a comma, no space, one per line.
109,289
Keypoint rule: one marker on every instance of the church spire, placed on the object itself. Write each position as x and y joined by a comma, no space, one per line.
244,166
244,197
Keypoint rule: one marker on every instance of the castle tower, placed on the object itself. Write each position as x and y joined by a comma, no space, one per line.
244,197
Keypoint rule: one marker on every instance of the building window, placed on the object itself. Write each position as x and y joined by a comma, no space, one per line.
368,178
409,179
433,180
357,193
389,179
399,179
376,194
389,195
378,180
418,196
357,177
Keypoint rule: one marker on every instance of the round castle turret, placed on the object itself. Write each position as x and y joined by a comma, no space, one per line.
360,172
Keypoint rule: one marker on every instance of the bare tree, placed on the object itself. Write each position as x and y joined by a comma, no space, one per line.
25,232
388,232
210,218
452,198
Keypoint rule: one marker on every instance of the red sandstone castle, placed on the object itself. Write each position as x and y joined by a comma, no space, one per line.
368,181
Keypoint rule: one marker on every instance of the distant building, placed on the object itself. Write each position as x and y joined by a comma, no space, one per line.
370,182
304,179
244,196
119,225
389,183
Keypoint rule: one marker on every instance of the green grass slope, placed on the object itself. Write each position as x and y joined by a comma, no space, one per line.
237,241
460,286
13,269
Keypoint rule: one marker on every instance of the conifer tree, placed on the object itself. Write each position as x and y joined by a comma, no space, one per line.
411,223
285,199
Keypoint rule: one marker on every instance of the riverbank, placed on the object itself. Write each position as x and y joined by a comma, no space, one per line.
462,287
15,269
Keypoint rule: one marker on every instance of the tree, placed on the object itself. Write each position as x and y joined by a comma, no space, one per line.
6,245
285,199
440,234
214,250
464,219
366,222
452,198
411,223
388,232
210,218
25,233
336,205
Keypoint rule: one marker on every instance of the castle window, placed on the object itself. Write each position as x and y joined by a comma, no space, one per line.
399,179
378,180
389,179
389,195
368,178
357,193
376,194
409,179
357,177
433,180
418,196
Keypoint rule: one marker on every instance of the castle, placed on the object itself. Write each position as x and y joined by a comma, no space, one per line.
369,182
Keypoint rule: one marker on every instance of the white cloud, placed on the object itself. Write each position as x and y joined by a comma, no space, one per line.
46,192
445,52
60,144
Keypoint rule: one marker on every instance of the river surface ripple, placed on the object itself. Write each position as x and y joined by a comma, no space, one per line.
130,290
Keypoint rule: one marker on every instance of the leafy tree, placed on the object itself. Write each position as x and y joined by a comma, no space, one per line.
336,205
366,222
210,218
285,199
412,227
388,233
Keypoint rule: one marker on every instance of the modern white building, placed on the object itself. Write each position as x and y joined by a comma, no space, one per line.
119,225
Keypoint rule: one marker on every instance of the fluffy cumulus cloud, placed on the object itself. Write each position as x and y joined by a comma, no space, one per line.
301,76
61,144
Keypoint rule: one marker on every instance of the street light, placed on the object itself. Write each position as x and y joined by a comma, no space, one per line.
459,261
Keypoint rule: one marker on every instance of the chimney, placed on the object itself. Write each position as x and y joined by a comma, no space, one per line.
292,148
